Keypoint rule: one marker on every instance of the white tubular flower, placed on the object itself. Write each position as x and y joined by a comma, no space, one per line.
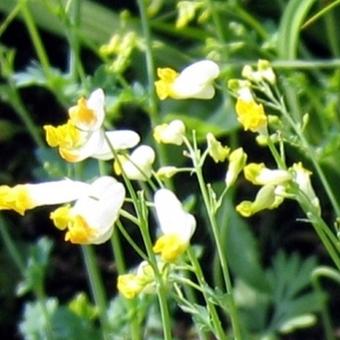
171,133
23,197
302,179
90,220
82,136
176,224
258,174
268,197
237,161
137,166
195,81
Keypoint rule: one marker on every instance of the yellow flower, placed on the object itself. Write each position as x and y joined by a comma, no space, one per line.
82,136
195,81
186,12
172,133
129,285
176,225
132,284
215,149
251,115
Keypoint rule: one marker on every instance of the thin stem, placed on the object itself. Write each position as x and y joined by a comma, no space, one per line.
96,285
76,67
25,116
37,42
161,288
149,60
223,260
121,268
131,241
195,156
140,207
217,21
211,308
319,226
329,273
305,145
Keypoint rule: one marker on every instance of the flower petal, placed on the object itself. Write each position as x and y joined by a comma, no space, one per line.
119,140
173,219
101,207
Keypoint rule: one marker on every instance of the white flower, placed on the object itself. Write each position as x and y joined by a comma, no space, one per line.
137,166
171,133
90,220
176,224
195,81
258,174
23,197
302,179
82,136
237,161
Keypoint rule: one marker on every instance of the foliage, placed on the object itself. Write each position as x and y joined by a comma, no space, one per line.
198,141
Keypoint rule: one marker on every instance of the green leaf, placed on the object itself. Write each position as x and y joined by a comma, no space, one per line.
290,25
241,247
36,266
292,296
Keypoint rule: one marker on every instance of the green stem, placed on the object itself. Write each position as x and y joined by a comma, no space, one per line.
223,260
216,20
153,107
305,145
25,117
96,285
76,67
161,288
326,319
320,228
34,34
10,246
121,268
211,308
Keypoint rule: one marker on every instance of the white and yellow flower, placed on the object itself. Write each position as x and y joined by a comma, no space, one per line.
237,161
82,135
90,220
138,165
139,281
23,197
302,179
195,81
268,197
171,133
176,224
258,174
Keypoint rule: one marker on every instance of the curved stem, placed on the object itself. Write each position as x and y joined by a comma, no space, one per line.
96,285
